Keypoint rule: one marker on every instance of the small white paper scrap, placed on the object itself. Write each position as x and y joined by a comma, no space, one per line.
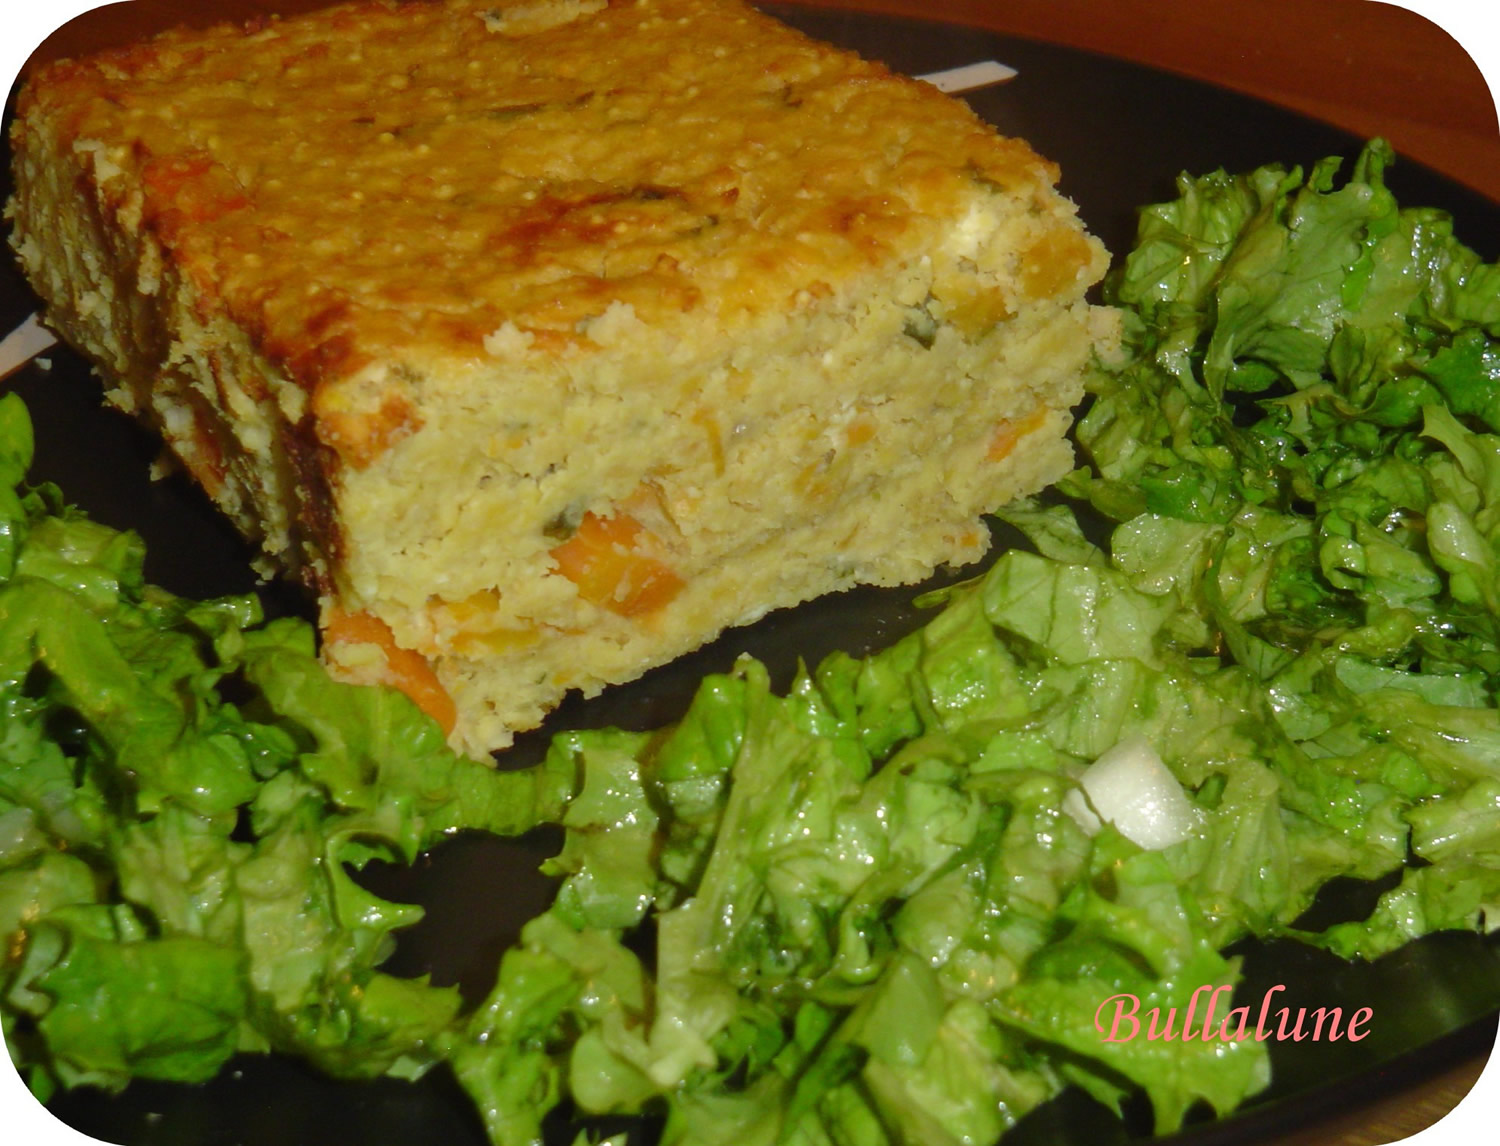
968,77
23,344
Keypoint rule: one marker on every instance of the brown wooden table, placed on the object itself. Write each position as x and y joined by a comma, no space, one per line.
1372,68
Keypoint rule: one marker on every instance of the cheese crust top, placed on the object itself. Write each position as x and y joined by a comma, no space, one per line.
453,181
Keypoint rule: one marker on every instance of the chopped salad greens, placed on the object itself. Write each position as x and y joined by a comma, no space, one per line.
174,866
886,906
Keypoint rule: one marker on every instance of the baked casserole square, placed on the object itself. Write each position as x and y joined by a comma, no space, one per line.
545,341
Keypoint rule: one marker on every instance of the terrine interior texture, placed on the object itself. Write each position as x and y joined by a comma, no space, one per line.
544,342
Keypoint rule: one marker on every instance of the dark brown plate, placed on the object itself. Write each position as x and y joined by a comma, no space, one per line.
1121,134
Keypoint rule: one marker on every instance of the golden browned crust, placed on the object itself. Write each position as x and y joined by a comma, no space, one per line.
629,157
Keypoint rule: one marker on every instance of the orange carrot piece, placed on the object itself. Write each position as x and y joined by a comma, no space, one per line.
1008,433
604,559
406,670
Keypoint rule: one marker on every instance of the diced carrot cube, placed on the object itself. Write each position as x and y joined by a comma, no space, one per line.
405,669
1008,433
1055,262
860,431
604,559
476,626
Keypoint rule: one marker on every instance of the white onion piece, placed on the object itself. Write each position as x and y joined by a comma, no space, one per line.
1131,788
